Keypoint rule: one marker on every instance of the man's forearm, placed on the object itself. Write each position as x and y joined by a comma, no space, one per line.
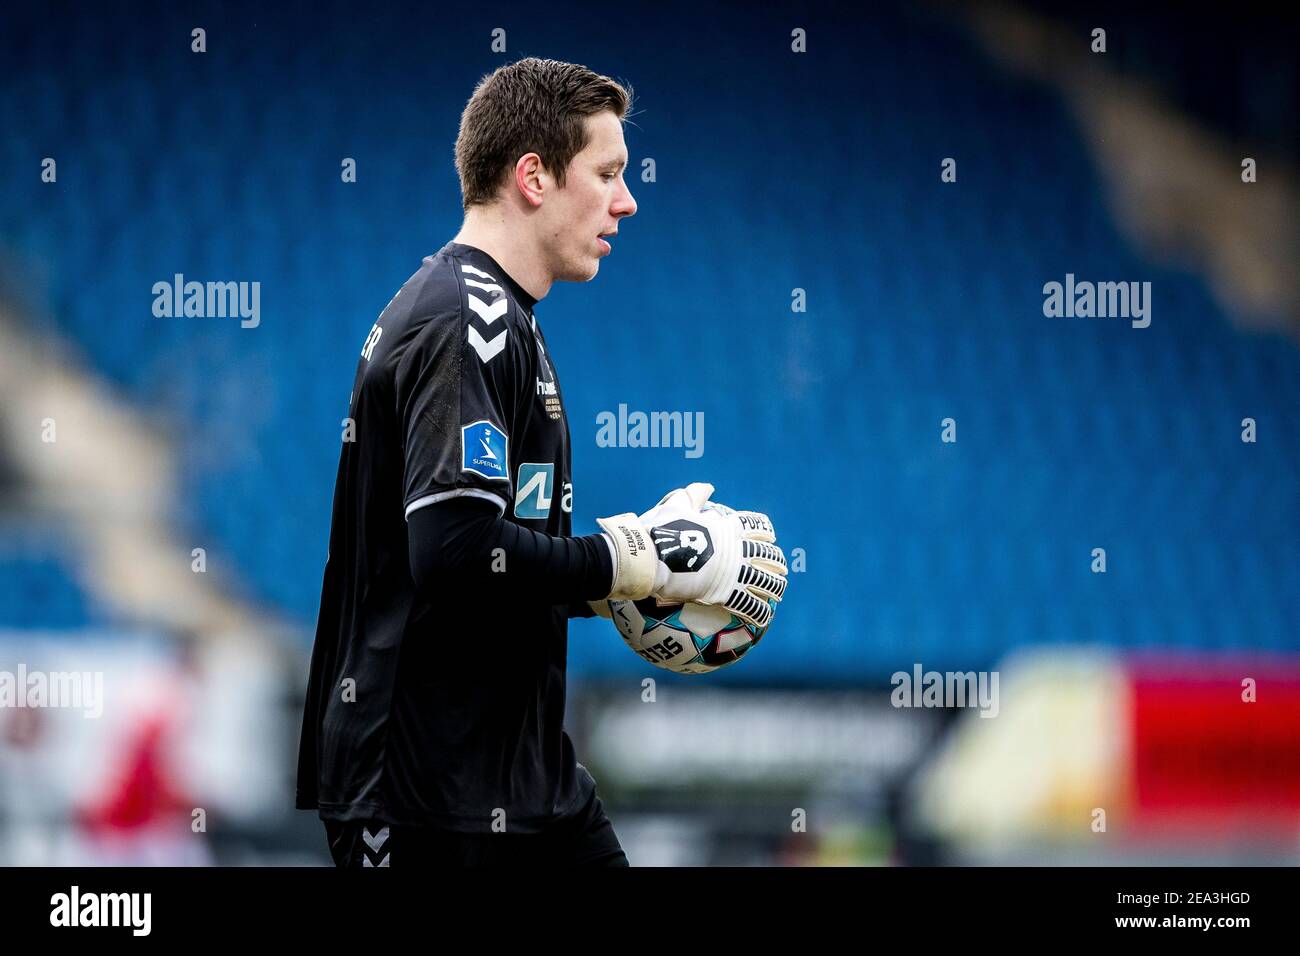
465,543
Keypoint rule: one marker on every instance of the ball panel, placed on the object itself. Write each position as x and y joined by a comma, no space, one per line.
704,620
684,638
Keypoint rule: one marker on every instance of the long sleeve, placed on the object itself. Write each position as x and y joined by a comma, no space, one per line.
464,542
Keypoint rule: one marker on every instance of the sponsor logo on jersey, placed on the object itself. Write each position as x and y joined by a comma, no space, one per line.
535,490
484,450
534,487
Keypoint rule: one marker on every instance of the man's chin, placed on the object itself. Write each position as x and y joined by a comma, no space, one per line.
579,270
586,275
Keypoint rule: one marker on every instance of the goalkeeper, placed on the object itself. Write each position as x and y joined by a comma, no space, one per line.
433,732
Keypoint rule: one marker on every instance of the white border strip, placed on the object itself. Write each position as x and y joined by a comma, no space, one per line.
456,493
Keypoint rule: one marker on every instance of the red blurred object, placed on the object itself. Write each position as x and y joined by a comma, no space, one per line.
145,790
1202,754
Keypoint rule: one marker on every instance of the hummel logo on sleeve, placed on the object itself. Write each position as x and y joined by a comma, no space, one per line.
485,286
488,313
488,348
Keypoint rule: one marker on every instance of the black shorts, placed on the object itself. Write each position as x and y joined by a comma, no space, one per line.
585,839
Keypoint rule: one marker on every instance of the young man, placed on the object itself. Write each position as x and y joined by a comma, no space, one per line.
433,731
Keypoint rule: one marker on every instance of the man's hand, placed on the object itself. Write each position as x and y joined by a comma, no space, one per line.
635,559
720,556
687,548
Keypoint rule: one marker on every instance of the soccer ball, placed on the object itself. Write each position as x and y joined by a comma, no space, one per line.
685,638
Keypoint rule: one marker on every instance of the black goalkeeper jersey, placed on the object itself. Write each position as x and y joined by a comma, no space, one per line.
443,709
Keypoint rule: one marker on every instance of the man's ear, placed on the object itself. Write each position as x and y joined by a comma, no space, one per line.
531,178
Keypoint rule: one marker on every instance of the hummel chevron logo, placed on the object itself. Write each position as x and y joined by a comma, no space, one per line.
488,313
485,286
376,843
487,349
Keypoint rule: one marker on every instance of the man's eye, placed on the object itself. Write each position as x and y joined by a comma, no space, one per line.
607,176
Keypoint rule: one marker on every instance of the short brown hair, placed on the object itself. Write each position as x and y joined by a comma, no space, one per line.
530,106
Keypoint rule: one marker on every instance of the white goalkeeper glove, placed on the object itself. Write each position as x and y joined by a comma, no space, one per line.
636,562
687,548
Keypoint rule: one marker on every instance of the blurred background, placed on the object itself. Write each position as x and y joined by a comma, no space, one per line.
1109,526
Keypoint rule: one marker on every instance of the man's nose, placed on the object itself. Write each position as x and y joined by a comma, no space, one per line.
624,204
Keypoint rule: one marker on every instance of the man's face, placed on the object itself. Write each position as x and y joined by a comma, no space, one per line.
590,205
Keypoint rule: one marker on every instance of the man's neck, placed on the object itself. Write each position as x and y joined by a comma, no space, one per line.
486,229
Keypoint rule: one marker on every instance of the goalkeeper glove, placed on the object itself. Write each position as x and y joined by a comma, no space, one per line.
636,562
687,548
